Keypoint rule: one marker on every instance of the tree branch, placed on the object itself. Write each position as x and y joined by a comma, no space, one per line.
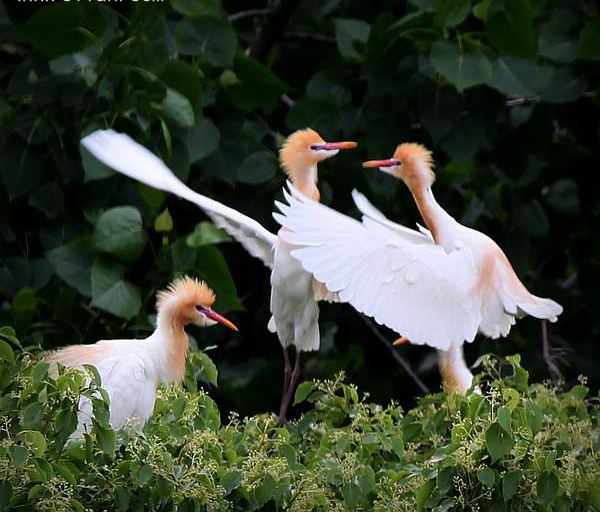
309,37
399,359
251,13
273,29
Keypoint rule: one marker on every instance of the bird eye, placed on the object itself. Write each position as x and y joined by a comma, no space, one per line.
200,308
315,147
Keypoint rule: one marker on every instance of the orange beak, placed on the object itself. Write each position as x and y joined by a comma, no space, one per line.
330,146
213,315
401,341
389,162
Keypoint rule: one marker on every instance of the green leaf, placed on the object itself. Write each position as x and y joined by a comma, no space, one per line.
36,442
487,477
231,480
206,233
547,487
302,391
349,32
352,494
202,139
32,414
18,454
22,167
6,352
111,292
560,86
119,232
213,38
463,70
556,44
5,493
449,13
106,438
73,262
255,86
257,168
203,368
214,270
424,492
63,28
177,109
563,196
93,168
198,7
510,483
510,29
187,80
164,222
47,199
514,77
504,418
498,441
589,41
531,219
534,417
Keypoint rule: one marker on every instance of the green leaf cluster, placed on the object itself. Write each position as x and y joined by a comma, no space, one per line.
507,445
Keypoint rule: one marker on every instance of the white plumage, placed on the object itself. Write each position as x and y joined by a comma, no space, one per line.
131,370
294,293
437,287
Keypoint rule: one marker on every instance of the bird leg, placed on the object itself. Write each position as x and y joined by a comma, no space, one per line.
287,373
549,357
290,390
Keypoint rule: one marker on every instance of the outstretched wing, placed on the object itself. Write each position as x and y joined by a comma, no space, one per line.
400,279
126,156
370,212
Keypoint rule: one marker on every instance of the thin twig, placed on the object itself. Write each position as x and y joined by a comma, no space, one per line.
251,13
273,29
309,37
547,351
399,359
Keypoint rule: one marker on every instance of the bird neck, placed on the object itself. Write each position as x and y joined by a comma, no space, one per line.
305,180
174,343
456,376
434,216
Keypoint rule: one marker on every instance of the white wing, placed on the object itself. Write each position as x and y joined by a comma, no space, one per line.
412,287
126,156
370,212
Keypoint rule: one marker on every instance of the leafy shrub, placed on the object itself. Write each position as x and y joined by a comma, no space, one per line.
511,446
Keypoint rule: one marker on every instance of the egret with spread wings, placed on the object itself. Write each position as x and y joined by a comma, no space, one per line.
294,292
437,286
131,370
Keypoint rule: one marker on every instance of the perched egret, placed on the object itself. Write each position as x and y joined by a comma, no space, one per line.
294,292
131,370
437,286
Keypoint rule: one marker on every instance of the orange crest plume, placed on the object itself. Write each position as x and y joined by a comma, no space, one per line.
186,289
413,151
295,152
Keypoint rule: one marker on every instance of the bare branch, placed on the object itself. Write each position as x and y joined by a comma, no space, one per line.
399,359
251,13
273,29
309,37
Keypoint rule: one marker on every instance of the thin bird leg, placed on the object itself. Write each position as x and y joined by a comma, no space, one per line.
287,373
290,391
548,355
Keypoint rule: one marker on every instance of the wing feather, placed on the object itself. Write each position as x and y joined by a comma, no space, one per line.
126,156
399,277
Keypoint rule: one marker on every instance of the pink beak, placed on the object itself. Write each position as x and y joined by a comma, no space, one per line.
213,315
390,162
330,146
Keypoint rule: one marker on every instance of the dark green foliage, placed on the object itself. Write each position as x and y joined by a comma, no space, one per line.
482,451
505,93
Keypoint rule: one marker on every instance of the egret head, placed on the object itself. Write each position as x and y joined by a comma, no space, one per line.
411,163
189,301
304,149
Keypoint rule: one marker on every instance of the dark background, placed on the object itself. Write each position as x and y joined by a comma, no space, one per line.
505,93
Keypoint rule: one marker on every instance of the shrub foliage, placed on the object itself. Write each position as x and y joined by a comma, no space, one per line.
509,445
